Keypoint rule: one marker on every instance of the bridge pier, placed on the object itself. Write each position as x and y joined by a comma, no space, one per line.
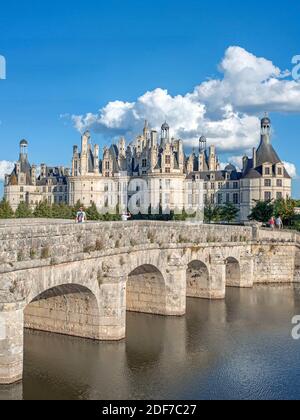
11,343
113,307
176,286
217,283
246,271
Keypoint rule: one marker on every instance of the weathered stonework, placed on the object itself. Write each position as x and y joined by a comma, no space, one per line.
80,280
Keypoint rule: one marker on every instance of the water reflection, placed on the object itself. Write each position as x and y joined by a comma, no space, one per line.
237,348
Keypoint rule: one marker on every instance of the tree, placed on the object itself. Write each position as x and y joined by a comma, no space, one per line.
229,212
6,211
62,211
92,213
262,211
285,209
23,211
212,213
43,210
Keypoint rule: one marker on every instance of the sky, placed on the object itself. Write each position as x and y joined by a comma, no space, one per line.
209,68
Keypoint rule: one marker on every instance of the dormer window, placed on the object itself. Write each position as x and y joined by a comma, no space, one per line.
280,171
144,163
168,160
267,171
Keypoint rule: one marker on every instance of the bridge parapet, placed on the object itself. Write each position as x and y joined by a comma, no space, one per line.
33,244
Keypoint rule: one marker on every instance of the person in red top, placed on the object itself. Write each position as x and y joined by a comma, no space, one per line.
272,222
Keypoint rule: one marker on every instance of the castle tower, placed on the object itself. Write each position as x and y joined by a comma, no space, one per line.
165,133
202,144
84,152
146,131
23,149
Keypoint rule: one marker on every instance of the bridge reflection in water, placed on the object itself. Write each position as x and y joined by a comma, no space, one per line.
237,348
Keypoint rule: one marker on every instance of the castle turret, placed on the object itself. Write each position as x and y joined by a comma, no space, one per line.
84,152
165,134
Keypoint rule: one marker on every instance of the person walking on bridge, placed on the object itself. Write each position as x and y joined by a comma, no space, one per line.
81,216
279,223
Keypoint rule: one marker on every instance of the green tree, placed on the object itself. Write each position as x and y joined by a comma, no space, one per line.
212,213
285,209
229,212
23,211
6,211
43,210
92,213
62,211
262,211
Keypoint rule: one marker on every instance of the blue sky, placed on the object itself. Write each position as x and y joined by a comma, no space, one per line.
73,58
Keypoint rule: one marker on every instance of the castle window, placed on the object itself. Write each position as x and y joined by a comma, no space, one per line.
220,199
168,170
267,171
227,198
268,196
22,189
235,185
268,183
106,188
212,185
235,198
168,160
107,166
144,163
279,171
279,196
220,185
279,183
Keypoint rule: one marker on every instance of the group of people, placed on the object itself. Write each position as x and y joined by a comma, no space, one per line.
276,223
81,216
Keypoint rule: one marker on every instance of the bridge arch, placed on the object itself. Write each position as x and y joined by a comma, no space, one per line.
197,279
146,290
69,309
233,272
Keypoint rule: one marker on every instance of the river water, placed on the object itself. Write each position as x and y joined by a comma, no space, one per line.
240,348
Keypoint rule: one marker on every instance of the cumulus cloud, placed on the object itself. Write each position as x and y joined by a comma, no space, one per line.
291,168
226,110
6,167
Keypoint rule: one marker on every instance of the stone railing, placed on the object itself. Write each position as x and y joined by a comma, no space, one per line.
276,235
32,241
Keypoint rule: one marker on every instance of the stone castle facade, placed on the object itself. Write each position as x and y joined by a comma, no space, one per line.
152,171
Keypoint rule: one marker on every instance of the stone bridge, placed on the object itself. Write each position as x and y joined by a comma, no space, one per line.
80,280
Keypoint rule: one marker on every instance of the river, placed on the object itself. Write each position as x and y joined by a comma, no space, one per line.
239,348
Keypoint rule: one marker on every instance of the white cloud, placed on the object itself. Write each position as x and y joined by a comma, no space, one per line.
6,167
226,110
291,168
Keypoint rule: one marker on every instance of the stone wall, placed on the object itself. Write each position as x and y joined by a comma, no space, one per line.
274,263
